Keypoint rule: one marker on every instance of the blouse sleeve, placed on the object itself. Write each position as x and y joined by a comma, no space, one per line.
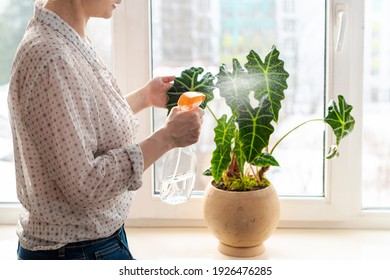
59,122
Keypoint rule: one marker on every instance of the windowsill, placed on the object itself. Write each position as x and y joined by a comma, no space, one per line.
284,244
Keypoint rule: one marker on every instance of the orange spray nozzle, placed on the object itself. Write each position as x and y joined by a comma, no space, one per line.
190,100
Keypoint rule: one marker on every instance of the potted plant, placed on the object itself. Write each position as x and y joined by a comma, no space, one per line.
241,206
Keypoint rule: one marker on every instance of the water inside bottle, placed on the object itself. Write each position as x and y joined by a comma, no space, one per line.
178,177
176,190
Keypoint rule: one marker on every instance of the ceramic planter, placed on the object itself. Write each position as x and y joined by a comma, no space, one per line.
241,221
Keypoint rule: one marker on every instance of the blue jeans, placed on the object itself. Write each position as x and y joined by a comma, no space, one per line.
114,247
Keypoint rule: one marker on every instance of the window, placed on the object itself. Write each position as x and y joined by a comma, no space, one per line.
376,96
289,25
289,5
331,193
304,98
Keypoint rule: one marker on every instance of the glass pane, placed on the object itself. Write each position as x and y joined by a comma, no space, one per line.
206,33
376,108
13,20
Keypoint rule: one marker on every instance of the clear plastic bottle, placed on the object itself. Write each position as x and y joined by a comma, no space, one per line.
179,172
178,176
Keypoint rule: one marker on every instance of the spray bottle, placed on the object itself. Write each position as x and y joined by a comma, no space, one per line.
179,172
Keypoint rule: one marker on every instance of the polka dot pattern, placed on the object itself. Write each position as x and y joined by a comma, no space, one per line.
77,163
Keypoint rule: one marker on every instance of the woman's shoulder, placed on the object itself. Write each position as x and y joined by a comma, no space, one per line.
40,50
38,53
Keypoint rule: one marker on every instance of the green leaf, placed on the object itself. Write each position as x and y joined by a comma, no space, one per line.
340,120
208,172
332,152
255,128
265,159
268,78
191,80
233,85
224,133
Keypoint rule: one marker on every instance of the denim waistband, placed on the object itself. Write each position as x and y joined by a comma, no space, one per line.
116,234
114,246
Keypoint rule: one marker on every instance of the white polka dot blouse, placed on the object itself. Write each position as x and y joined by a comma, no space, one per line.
77,163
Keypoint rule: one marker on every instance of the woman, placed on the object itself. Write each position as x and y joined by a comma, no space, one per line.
77,163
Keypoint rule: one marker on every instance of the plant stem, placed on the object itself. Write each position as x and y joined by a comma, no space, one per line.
295,128
212,113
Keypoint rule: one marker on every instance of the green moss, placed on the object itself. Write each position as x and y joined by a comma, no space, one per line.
246,183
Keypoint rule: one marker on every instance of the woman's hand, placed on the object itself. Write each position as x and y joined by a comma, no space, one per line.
181,128
152,94
155,91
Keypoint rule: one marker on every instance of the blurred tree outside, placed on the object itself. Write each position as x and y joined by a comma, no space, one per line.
14,16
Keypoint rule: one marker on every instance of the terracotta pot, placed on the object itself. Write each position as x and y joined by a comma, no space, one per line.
241,221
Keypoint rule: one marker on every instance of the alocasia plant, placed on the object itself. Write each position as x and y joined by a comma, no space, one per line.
242,154
190,80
